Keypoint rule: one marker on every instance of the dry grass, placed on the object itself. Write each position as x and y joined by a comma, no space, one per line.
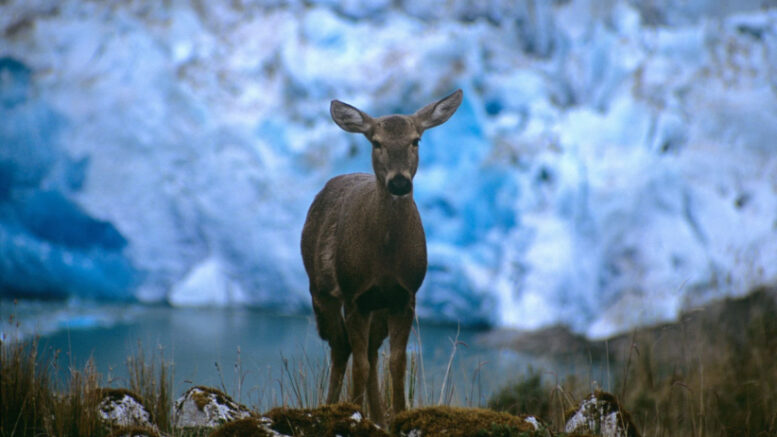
25,391
152,380
33,404
712,374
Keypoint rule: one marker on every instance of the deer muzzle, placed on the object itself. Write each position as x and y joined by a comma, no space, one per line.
399,185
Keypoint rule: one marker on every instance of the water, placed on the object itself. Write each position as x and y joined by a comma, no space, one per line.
255,356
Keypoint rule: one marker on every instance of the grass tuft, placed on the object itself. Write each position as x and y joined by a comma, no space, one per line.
25,390
33,404
153,383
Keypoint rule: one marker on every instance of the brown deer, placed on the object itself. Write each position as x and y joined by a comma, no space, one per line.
364,251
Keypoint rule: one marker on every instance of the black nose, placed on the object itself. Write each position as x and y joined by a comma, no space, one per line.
400,185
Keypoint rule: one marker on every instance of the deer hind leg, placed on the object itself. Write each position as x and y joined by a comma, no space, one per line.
331,327
400,322
378,333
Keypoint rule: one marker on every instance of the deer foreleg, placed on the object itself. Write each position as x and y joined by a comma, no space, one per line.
399,324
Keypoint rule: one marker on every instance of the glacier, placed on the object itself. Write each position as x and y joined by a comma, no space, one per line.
612,164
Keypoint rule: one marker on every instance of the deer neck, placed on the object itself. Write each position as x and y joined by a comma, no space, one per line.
395,216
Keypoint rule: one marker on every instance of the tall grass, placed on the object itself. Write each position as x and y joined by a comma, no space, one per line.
304,381
712,374
152,380
25,390
30,402
33,403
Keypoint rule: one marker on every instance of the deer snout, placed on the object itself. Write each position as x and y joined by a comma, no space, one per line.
399,185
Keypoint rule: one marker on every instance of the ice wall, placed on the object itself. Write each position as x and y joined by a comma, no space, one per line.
612,162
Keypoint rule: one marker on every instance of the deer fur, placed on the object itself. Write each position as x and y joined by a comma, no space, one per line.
364,250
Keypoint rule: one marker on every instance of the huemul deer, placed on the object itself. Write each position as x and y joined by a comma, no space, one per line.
364,251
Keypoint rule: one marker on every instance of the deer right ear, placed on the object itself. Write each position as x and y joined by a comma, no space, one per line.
349,118
437,113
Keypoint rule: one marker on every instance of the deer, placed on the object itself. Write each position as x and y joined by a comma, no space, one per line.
364,251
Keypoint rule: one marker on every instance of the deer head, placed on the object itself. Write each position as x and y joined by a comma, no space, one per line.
395,138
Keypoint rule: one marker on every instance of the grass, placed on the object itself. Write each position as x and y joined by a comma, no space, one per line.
33,403
30,403
715,373
712,374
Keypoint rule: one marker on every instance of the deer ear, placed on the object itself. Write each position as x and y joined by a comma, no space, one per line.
437,113
349,118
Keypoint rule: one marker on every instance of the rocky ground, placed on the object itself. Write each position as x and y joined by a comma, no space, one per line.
711,373
204,411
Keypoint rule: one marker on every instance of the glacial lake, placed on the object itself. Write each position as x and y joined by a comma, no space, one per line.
259,358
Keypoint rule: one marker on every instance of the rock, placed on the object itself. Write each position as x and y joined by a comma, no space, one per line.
600,414
121,407
135,431
455,422
250,427
342,419
206,407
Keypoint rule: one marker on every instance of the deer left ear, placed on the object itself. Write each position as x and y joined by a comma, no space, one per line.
350,118
437,113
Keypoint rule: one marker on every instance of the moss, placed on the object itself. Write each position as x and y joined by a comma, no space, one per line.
117,394
251,427
198,431
463,422
202,397
327,420
132,431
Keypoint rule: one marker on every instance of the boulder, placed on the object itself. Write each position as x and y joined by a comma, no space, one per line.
461,422
120,407
250,427
206,407
600,414
135,431
344,419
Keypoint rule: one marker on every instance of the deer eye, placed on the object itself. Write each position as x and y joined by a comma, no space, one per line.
415,142
375,144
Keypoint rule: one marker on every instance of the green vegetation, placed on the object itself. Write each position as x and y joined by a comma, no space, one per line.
526,396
